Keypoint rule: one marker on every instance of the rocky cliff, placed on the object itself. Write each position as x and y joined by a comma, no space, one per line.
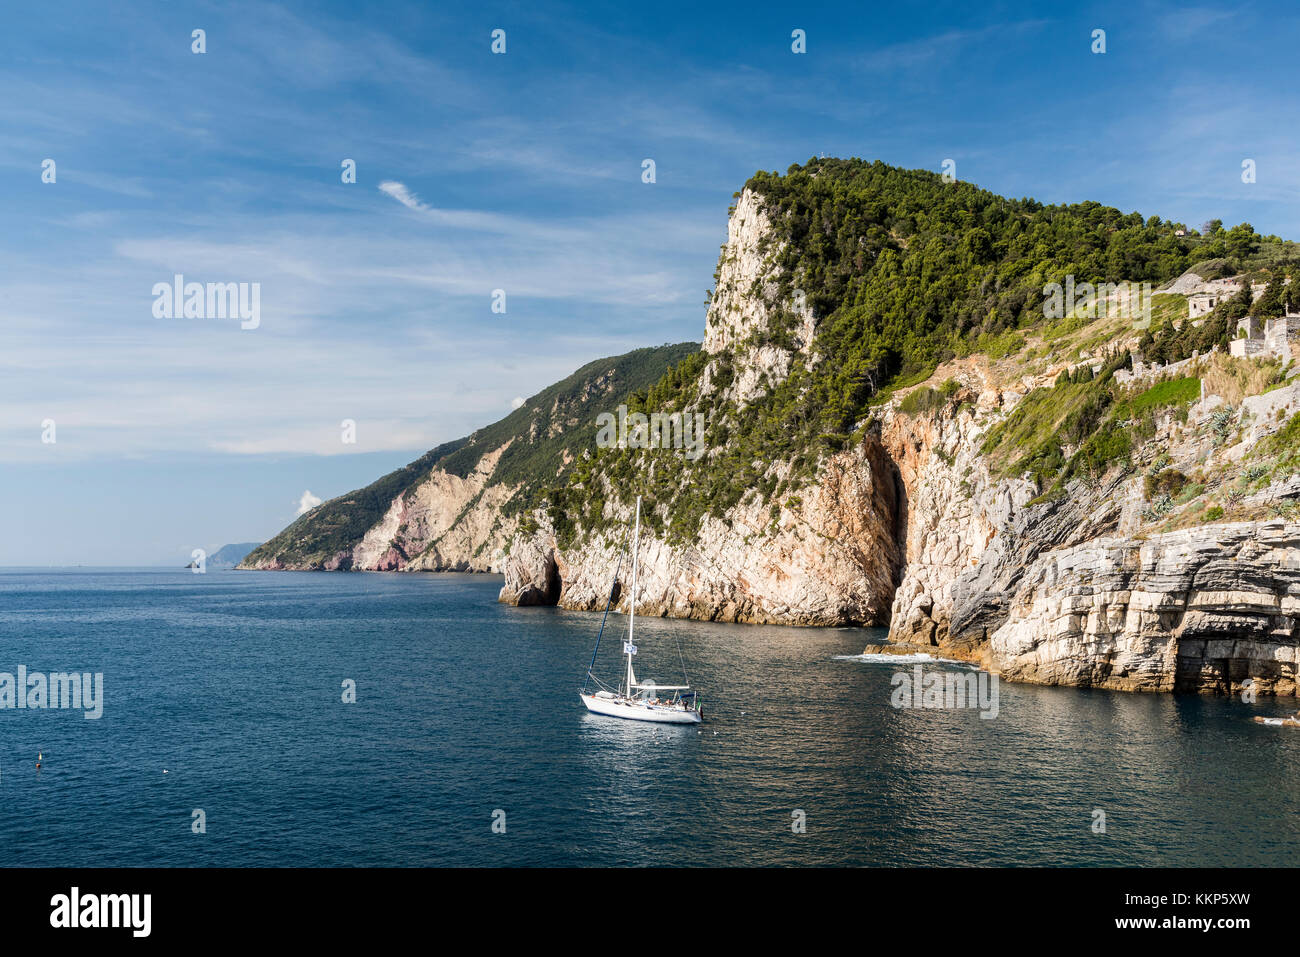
830,559
1102,586
1207,608
896,432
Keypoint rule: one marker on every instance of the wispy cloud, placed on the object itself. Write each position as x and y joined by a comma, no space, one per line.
400,193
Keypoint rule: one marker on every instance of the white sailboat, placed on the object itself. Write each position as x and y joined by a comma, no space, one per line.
638,700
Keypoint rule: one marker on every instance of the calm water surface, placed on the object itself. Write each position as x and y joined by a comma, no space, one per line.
231,682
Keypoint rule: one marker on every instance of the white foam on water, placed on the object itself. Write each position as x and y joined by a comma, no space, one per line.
909,659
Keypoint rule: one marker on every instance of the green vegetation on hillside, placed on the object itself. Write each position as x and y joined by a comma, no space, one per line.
1229,252
903,271
1170,392
1284,444
559,419
1095,416
563,416
925,399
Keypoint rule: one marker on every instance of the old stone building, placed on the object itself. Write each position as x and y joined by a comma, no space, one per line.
1272,337
1202,303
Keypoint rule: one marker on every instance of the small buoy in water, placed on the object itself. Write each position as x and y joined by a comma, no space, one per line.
164,770
39,755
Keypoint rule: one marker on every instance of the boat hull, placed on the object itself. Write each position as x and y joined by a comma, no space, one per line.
635,712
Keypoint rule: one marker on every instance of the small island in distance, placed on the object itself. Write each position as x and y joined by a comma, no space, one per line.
228,556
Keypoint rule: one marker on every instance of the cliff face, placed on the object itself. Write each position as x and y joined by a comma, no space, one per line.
1206,608
745,304
955,510
1096,587
830,559
444,522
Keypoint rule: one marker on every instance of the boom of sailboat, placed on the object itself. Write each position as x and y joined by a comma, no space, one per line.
632,699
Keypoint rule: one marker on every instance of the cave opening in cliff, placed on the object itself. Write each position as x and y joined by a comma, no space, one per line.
554,583
900,526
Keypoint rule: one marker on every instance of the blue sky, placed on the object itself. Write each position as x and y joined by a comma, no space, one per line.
519,172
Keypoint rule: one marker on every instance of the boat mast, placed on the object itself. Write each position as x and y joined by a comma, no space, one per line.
608,601
631,610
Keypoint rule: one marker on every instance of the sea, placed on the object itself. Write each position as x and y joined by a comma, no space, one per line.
264,719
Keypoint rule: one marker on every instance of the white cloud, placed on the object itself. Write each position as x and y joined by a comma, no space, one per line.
400,193
516,402
307,502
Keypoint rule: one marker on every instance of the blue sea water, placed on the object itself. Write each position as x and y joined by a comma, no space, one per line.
231,682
